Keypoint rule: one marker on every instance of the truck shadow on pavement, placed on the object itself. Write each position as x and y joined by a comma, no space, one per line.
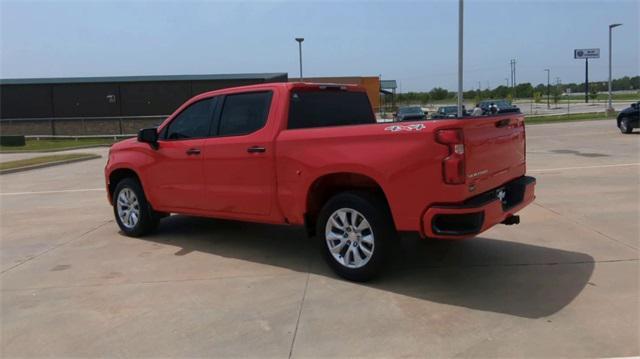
483,274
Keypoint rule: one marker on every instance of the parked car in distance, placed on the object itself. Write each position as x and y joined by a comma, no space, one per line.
503,106
448,112
410,113
313,155
629,118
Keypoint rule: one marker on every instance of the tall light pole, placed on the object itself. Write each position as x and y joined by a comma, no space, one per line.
548,87
460,52
610,27
300,40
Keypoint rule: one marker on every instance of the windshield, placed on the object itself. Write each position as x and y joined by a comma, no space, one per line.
410,110
498,103
448,109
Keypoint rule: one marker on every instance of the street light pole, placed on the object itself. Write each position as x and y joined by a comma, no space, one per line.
460,52
300,40
610,108
548,87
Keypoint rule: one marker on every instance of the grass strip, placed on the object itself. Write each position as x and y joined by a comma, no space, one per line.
592,116
33,145
44,160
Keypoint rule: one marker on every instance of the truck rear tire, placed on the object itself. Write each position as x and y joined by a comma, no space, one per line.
625,125
133,213
355,229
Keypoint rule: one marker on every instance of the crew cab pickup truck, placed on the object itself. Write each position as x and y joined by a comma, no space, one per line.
313,155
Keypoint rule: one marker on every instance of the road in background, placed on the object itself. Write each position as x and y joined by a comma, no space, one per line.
529,108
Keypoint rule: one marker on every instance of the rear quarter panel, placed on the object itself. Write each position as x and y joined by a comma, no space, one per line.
406,164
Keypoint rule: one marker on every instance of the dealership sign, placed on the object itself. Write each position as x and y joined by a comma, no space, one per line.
586,53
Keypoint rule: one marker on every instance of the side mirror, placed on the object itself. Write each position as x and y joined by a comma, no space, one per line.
150,136
634,105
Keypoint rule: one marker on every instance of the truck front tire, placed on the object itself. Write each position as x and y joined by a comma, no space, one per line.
355,229
133,213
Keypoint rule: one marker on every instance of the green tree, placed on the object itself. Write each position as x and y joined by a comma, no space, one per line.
555,94
438,93
593,92
537,97
524,90
500,92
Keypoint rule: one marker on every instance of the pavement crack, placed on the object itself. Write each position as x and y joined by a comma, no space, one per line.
149,282
304,296
488,265
55,247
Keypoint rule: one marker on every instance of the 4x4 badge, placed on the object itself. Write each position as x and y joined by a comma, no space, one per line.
396,128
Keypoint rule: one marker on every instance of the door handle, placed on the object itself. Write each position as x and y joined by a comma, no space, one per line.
503,123
193,151
256,149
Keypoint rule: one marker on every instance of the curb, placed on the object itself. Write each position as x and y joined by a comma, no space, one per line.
56,150
48,164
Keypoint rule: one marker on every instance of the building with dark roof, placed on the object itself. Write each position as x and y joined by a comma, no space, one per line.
112,96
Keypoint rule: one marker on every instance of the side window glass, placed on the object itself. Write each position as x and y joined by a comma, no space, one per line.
244,113
192,122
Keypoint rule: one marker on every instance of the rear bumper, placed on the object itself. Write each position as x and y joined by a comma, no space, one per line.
478,213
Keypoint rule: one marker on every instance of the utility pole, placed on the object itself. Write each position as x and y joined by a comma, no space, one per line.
610,108
380,94
300,40
586,80
548,88
460,53
513,76
511,73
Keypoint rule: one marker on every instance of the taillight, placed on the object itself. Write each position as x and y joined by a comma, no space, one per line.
453,165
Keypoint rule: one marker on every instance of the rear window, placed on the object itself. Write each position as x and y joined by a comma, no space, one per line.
244,113
329,108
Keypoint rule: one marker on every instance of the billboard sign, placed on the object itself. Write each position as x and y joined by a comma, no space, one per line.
388,84
586,53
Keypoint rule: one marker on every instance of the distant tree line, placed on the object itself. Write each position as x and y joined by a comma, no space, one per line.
523,90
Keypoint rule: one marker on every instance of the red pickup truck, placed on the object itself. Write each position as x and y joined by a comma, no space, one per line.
314,155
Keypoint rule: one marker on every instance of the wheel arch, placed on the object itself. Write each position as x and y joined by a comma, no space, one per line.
328,185
117,175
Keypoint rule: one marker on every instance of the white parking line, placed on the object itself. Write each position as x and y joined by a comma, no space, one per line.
573,134
49,192
583,167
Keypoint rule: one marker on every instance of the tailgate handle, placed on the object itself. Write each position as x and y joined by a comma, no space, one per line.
503,123
256,149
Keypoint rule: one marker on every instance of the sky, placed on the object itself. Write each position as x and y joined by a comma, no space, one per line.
413,42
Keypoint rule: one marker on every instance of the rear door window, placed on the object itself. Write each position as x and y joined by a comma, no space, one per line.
326,108
244,113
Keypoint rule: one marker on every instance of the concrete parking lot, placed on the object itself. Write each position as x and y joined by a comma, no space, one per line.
562,283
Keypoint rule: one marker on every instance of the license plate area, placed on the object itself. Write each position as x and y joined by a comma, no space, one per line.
512,194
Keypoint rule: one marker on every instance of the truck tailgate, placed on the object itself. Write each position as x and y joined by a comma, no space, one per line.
494,150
